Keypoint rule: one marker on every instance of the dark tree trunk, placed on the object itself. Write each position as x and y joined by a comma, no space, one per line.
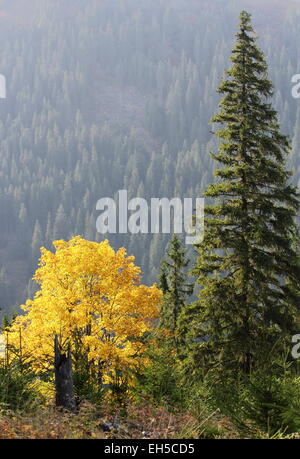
64,378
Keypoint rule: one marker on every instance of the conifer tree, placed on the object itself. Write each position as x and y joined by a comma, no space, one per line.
37,241
162,378
247,265
175,288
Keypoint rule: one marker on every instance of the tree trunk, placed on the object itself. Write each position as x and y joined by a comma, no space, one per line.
64,378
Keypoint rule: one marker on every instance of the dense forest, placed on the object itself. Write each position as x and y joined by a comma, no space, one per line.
137,335
111,95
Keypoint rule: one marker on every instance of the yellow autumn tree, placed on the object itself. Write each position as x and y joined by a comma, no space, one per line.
91,297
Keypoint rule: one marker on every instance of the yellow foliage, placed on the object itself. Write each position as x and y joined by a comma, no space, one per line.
91,293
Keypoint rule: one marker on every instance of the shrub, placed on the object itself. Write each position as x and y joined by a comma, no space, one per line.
17,387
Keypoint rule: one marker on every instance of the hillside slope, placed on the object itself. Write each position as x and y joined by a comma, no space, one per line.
104,96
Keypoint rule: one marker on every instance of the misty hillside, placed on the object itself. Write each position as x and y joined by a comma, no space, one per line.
117,94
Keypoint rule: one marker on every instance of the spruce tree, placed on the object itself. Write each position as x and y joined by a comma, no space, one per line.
162,378
173,283
37,242
247,266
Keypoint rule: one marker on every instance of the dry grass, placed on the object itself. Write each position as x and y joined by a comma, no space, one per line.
50,423
142,421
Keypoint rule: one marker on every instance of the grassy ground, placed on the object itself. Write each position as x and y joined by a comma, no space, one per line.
141,421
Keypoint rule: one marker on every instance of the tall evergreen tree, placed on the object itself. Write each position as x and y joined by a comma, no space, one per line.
162,378
174,285
247,267
37,242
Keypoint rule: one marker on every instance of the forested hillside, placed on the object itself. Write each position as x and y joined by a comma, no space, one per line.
117,94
